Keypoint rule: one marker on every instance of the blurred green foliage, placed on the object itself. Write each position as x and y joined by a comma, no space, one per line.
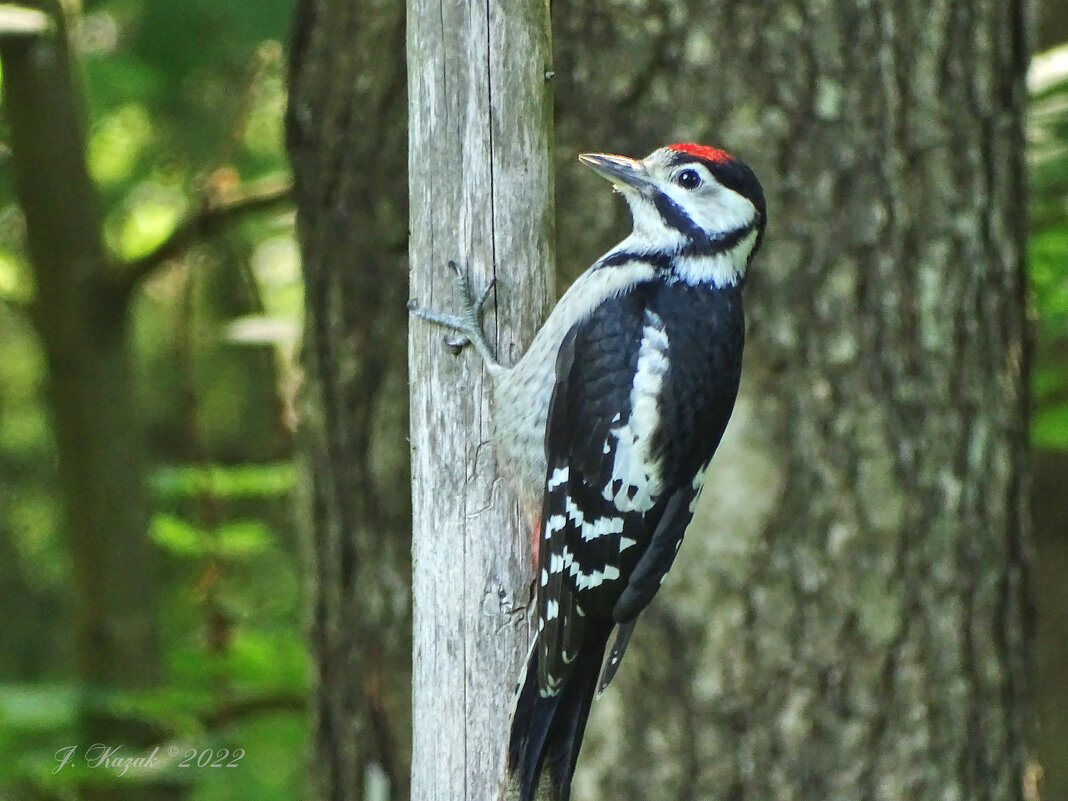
1048,246
183,100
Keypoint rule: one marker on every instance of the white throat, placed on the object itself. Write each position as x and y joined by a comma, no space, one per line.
719,269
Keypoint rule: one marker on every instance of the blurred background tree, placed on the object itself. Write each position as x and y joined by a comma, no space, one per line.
184,105
147,328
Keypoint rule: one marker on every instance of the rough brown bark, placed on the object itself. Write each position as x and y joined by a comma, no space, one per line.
346,132
849,620
480,138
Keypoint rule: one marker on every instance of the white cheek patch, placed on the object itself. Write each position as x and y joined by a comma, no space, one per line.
714,209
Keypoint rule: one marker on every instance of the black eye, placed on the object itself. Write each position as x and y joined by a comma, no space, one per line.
688,179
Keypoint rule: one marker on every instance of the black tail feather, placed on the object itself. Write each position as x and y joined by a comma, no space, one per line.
547,732
530,727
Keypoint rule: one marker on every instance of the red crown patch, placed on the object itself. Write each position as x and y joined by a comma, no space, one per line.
713,154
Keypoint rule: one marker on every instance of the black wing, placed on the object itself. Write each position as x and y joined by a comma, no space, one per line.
644,388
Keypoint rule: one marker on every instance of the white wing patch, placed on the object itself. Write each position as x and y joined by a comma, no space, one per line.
552,609
591,529
698,485
636,482
598,528
554,524
559,476
573,512
587,581
565,560
559,561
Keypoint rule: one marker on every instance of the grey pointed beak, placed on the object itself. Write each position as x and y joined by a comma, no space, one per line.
618,169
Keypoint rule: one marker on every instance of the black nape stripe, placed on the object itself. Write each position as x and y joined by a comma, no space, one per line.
720,243
699,242
703,245
676,218
658,261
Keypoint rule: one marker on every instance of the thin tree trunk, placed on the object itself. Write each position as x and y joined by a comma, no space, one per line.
480,179
345,133
80,314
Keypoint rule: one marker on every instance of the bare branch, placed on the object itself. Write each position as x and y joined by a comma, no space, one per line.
215,212
243,708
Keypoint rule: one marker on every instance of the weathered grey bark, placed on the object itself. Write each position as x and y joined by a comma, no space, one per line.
480,174
79,312
848,619
345,132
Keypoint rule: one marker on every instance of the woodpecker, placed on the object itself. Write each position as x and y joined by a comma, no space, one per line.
608,424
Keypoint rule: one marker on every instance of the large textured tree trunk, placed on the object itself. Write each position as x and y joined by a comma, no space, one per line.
345,131
481,191
848,619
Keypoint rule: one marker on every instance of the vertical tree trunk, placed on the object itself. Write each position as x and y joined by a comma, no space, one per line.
345,134
848,619
481,194
79,312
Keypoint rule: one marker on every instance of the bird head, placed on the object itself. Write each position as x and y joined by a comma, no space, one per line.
688,200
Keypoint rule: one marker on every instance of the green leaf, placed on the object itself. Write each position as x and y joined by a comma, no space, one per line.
259,659
225,481
16,284
1048,253
117,142
179,536
148,221
1049,430
36,707
243,538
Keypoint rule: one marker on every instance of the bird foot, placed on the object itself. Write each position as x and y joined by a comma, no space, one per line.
468,324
